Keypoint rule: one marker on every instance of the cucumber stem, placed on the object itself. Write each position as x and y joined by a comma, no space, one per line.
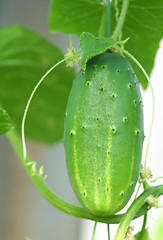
121,19
105,25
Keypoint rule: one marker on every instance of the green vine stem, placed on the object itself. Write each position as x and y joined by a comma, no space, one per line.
108,227
57,202
94,231
121,19
105,25
135,206
144,222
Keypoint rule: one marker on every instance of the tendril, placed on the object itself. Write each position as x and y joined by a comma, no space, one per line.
29,102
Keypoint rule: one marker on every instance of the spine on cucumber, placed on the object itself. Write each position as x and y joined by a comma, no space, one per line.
103,135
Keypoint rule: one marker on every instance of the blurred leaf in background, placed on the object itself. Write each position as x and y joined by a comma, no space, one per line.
25,57
76,16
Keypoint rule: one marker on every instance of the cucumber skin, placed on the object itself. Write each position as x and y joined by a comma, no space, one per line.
104,133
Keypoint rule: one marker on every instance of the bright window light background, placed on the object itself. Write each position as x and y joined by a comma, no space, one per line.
155,155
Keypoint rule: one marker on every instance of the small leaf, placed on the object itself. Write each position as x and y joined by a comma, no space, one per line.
25,57
6,123
90,46
76,16
142,235
144,26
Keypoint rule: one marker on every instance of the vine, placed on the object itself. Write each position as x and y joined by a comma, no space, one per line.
121,19
94,231
129,215
59,203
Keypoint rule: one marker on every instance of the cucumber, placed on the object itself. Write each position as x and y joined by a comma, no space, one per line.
103,134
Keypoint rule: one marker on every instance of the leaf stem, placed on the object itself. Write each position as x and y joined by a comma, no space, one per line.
144,222
135,206
94,231
121,19
108,227
56,201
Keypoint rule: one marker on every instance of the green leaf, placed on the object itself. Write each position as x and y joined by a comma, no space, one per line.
143,235
76,16
144,26
6,123
24,59
90,46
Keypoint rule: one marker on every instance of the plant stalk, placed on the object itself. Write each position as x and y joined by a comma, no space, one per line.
121,19
94,231
129,215
108,226
144,222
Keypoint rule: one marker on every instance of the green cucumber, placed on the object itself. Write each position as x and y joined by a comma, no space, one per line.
103,134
